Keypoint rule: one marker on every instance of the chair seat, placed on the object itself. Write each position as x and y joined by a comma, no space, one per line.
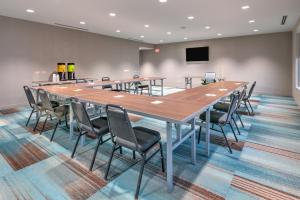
222,106
53,103
100,125
143,86
215,117
61,110
146,138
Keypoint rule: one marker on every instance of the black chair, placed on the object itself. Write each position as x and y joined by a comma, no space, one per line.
139,86
224,107
109,86
97,126
222,119
45,106
209,77
246,99
33,104
139,139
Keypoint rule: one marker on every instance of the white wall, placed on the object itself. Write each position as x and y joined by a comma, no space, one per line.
296,54
29,52
264,58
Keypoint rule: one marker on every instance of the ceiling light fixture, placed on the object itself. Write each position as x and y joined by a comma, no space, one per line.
161,41
207,27
83,23
118,31
220,34
185,38
30,11
163,1
146,26
251,21
191,17
256,30
245,7
112,14
169,33
142,36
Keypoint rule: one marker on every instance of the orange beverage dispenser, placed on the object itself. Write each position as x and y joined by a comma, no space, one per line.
61,70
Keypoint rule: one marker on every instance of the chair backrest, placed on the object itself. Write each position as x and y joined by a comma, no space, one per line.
106,78
137,82
210,77
251,89
241,97
81,116
120,126
233,105
45,101
29,96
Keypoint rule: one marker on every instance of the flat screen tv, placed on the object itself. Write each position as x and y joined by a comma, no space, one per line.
197,54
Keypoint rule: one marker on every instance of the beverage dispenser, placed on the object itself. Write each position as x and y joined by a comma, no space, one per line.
71,71
61,70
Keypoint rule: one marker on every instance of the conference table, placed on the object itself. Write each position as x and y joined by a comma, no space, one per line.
178,109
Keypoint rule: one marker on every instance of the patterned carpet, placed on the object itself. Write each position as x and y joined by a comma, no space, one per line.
265,163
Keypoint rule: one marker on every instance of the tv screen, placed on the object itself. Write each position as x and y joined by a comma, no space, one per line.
197,54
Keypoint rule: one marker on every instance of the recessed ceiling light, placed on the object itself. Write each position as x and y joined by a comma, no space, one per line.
207,27
112,14
161,41
169,33
185,38
255,30
245,7
146,26
118,31
82,23
163,1
251,21
30,11
191,17
142,36
220,34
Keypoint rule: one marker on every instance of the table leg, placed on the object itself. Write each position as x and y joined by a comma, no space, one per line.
207,131
193,146
169,157
71,121
191,82
151,87
162,87
185,82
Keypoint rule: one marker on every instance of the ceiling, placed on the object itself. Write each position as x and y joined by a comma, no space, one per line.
223,16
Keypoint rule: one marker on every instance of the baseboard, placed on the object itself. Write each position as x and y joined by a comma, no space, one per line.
3,107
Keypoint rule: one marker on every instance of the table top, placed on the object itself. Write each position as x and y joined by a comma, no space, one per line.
178,107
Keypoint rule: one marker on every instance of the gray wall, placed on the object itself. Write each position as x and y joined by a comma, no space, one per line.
264,58
296,54
29,52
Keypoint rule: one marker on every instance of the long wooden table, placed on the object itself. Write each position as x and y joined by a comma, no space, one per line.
182,108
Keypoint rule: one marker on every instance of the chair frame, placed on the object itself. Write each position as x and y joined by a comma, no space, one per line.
142,154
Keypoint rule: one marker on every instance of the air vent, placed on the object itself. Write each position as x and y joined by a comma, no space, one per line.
71,27
283,19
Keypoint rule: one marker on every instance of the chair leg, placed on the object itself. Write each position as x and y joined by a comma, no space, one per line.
240,119
250,105
133,155
237,128
199,134
76,144
66,120
230,151
109,162
36,124
121,150
54,130
29,117
162,157
140,178
95,153
247,108
233,131
45,122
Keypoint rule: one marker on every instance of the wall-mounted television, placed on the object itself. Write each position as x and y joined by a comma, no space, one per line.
197,54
